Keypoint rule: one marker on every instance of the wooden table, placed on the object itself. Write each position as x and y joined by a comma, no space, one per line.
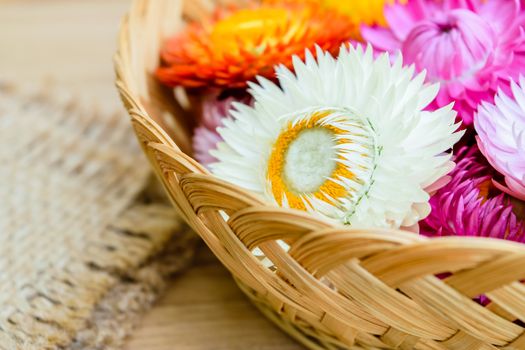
70,43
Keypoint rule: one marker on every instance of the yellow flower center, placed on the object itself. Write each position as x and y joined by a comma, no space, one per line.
249,26
361,11
313,158
368,11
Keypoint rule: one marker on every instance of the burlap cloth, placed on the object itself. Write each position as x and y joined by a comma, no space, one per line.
82,252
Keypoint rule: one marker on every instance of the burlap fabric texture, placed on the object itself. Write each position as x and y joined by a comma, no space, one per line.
84,249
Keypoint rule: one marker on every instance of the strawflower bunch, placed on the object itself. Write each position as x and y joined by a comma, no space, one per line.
396,114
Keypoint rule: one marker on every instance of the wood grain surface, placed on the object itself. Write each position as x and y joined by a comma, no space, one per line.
70,43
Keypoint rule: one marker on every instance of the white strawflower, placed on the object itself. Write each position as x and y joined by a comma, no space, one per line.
346,138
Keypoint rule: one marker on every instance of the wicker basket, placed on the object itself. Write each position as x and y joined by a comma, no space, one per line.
336,288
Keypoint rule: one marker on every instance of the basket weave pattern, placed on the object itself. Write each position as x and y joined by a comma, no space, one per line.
336,288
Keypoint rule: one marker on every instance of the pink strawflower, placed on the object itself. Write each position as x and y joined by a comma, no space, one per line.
206,137
472,47
501,137
471,206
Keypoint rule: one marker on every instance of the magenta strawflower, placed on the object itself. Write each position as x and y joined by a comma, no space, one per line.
471,206
206,137
501,137
472,47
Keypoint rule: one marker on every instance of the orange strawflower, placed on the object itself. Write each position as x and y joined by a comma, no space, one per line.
236,45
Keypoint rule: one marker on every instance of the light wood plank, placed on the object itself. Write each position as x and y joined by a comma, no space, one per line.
67,42
204,309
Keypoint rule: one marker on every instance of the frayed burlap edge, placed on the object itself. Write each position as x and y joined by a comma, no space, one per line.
116,315
81,255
